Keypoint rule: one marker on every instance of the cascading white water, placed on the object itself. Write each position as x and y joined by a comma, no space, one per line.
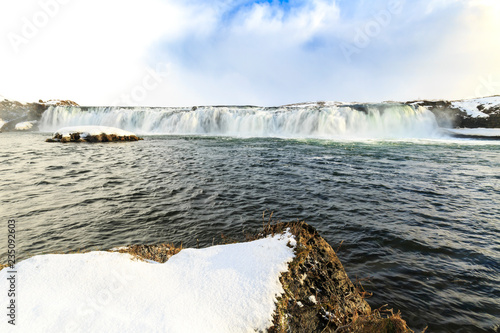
391,121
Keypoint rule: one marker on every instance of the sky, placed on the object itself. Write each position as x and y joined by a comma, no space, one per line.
202,52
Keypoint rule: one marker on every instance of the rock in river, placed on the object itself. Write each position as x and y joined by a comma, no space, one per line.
92,134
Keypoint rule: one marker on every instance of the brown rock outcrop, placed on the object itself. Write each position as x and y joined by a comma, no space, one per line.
319,296
103,137
57,102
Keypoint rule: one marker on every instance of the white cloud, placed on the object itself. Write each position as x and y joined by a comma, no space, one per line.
235,52
88,51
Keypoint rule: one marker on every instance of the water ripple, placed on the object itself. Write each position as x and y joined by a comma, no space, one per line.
419,219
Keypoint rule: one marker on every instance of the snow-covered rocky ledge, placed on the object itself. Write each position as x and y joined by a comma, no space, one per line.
468,113
287,280
92,134
475,133
25,125
24,116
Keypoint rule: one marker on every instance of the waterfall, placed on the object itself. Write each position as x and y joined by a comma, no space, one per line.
330,122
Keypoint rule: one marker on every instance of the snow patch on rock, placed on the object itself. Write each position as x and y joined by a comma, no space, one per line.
225,288
471,105
25,125
92,130
486,132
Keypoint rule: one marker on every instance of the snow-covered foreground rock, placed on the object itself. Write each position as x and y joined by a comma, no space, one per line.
225,288
92,134
289,280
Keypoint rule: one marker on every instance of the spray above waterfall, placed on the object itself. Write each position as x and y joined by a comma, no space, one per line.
308,121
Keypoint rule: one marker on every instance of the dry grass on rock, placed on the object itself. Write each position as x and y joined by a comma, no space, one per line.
319,296
159,253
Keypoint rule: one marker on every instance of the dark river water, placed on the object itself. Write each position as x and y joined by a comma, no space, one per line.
419,219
